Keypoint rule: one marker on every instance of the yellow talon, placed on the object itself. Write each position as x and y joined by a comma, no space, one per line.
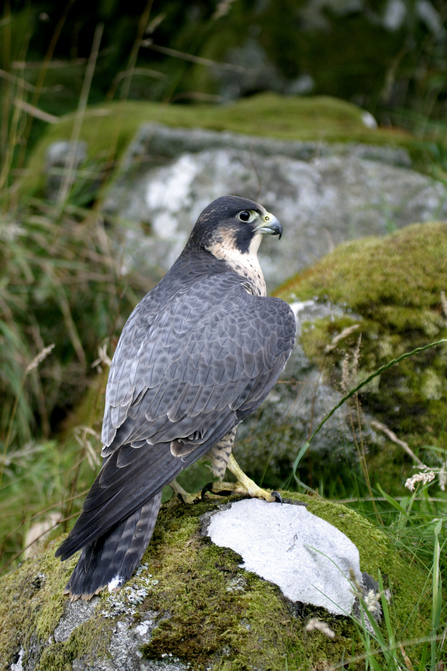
181,493
244,484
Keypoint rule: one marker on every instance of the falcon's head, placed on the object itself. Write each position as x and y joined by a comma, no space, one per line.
233,225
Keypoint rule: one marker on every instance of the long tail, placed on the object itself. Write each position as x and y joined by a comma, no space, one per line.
112,558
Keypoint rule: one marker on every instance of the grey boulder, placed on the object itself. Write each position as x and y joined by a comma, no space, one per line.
322,197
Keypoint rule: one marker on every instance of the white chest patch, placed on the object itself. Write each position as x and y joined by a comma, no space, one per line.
246,265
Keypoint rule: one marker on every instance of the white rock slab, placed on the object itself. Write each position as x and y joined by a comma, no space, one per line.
308,558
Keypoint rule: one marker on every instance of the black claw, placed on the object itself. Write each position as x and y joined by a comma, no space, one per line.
180,497
277,496
209,488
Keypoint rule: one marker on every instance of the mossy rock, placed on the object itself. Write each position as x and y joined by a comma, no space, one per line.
109,128
393,287
191,603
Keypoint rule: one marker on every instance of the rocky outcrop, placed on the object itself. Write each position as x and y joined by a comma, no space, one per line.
317,163
323,194
309,559
190,604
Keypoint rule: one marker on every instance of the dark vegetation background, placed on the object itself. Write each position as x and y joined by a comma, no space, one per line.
59,280
388,56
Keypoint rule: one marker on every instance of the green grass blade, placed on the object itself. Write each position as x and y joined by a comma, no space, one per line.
437,596
386,613
368,379
392,501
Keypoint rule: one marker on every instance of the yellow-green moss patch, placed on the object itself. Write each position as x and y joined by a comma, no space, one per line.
210,622
394,284
211,613
108,129
32,602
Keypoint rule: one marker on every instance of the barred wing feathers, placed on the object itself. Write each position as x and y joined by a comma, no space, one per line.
215,349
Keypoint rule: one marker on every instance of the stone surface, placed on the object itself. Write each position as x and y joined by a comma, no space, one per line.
305,556
322,196
75,614
124,650
154,144
58,156
128,634
392,291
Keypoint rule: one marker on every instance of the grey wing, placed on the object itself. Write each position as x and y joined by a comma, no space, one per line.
180,380
209,358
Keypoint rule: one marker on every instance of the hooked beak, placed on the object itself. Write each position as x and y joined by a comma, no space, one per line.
270,225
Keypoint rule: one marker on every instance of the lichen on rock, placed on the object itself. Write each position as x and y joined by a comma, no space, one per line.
191,605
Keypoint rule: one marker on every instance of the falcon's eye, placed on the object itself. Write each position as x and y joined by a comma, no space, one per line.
245,215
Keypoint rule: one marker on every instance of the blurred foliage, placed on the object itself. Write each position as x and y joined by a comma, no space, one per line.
384,55
60,283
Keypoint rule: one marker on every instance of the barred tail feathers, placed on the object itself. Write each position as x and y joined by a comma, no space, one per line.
111,559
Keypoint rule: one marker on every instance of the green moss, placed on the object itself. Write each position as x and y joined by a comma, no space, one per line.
254,625
406,269
108,129
207,620
410,592
395,285
32,601
212,613
31,606
89,641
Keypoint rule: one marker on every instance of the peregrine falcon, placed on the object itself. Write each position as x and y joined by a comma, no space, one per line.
199,353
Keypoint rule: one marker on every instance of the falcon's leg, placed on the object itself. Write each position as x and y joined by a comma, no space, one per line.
244,484
219,455
182,494
222,459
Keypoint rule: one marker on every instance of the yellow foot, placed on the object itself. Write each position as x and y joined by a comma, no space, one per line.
182,496
248,488
244,485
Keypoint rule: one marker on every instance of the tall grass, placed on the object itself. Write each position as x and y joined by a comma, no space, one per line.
386,647
61,285
416,527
